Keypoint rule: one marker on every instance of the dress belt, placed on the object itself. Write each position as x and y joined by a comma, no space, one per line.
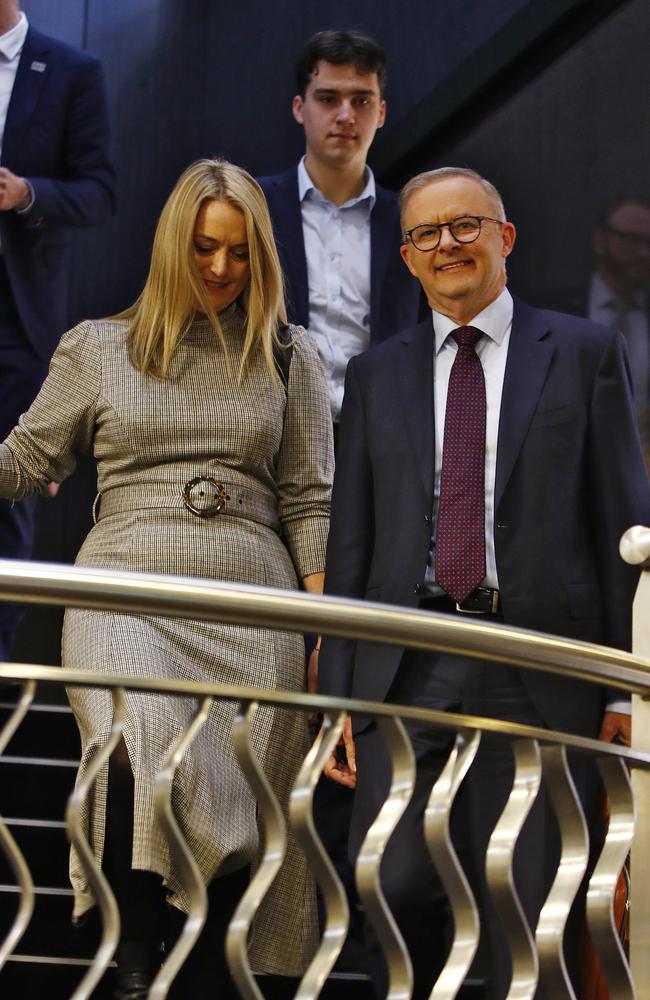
201,497
482,601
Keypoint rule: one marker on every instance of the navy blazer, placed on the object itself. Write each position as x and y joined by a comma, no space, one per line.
395,296
56,135
570,480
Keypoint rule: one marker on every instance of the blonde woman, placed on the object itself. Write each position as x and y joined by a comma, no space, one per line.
214,452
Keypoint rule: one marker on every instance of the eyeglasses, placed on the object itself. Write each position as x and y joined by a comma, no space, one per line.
465,229
634,240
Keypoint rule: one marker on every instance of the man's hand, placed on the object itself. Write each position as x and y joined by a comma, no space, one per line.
616,728
344,772
14,191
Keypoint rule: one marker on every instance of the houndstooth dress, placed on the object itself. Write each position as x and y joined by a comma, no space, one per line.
271,448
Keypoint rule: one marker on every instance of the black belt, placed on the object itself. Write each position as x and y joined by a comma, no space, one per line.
482,601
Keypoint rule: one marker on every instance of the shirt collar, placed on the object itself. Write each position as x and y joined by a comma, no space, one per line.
11,43
307,188
601,296
495,321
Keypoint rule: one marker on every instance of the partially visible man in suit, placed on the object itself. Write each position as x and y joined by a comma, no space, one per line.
337,230
618,292
55,173
488,464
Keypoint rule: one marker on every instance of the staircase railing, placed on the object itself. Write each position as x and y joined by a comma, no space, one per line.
540,756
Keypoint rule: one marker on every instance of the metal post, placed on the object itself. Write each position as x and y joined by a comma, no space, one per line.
640,893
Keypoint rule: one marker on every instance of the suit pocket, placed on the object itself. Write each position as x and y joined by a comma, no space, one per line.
558,415
585,600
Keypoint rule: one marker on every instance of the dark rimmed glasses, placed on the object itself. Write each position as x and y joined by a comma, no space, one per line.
636,241
464,229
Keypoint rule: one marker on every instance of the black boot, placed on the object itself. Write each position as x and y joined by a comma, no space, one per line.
137,964
132,986
205,974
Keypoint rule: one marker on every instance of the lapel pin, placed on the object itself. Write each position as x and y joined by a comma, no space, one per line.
38,67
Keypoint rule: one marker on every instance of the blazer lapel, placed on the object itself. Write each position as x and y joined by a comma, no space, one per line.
288,223
26,89
415,381
529,356
381,249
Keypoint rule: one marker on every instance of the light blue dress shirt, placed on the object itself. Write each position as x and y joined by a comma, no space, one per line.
337,247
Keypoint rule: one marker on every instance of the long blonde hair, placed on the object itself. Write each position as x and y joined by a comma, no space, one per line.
173,291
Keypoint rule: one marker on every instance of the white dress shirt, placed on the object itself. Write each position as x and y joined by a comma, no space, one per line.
495,322
11,46
337,247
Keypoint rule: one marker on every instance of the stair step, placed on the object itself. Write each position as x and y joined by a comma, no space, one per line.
46,729
35,788
44,845
50,931
30,979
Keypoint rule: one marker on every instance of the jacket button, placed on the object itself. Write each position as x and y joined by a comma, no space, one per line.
427,518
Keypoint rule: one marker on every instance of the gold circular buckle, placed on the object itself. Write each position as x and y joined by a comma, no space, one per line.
212,508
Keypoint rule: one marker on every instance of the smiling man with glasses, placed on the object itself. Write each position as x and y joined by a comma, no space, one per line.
488,464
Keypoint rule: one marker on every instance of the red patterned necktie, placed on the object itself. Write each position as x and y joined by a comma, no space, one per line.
460,540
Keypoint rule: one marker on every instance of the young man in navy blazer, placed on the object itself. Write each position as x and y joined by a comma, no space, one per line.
55,173
561,478
337,231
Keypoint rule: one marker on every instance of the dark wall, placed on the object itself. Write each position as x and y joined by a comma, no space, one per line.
570,141
190,78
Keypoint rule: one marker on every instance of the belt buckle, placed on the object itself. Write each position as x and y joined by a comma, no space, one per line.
213,508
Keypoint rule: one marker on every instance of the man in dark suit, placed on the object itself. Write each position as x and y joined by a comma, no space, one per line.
55,174
337,231
488,464
618,292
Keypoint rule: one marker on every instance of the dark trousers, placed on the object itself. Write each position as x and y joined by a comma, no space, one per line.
409,880
21,376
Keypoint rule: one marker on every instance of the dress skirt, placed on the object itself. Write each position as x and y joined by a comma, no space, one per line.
269,443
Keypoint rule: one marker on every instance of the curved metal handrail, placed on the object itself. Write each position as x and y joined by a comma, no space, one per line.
245,604
311,703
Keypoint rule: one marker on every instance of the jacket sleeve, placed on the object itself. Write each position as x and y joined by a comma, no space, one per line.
59,424
619,484
84,195
306,460
352,532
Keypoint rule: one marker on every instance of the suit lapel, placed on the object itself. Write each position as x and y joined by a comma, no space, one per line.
290,237
26,89
381,247
529,356
415,381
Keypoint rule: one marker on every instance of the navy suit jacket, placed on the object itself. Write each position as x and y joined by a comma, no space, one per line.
570,480
395,296
56,135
